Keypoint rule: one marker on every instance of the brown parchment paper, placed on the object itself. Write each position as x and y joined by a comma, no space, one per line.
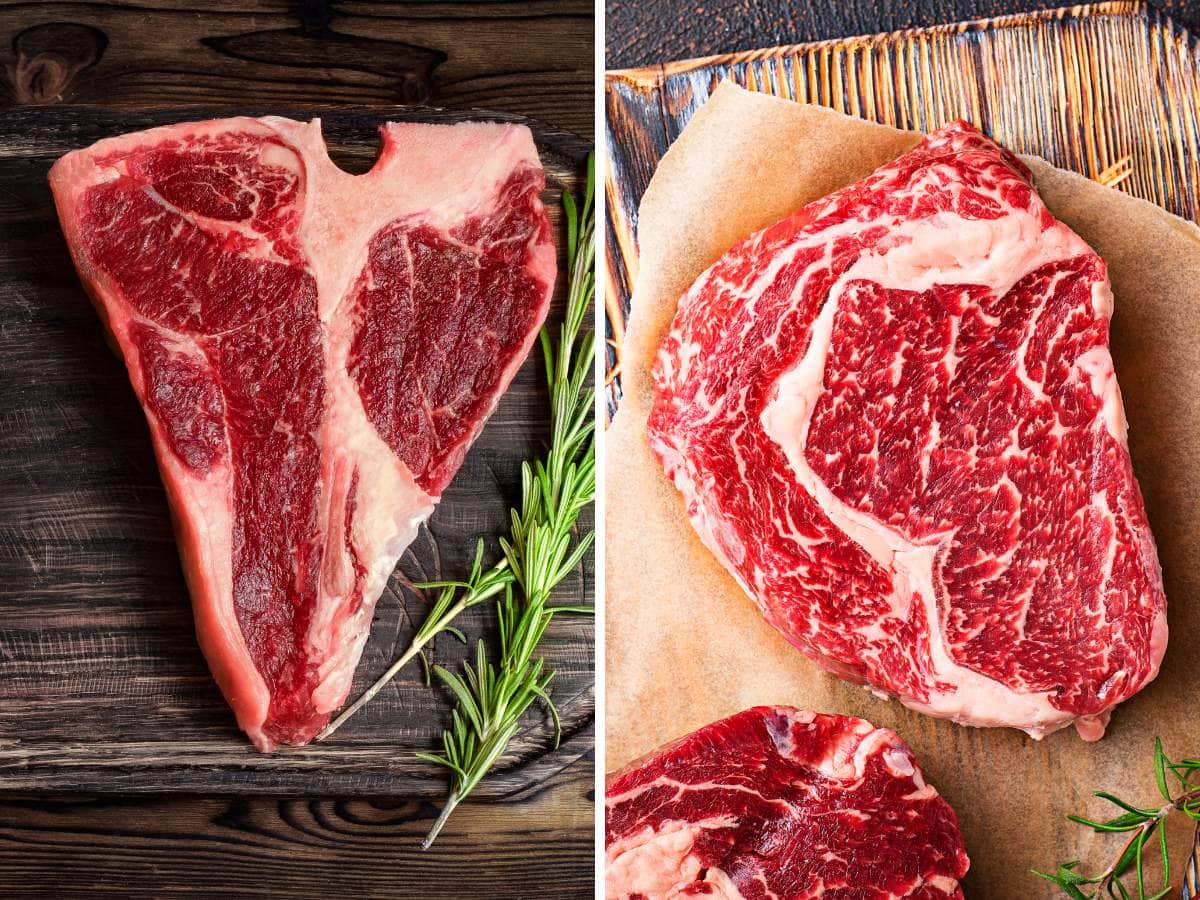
685,646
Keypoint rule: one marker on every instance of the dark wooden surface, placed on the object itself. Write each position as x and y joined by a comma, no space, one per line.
539,844
102,688
530,58
643,34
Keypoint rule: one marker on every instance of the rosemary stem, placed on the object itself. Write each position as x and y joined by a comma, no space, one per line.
1138,823
1110,874
414,648
451,802
491,697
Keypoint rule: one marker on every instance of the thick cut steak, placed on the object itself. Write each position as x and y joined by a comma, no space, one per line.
894,419
778,802
315,352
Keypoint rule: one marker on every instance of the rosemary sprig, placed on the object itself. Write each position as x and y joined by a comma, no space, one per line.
453,597
1179,785
537,552
492,697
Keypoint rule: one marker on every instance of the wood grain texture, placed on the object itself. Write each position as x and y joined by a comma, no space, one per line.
539,843
102,685
1083,87
534,58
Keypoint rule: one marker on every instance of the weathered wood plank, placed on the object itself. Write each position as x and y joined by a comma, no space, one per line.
539,843
533,59
102,686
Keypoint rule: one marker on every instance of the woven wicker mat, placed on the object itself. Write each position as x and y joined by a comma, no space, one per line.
1109,90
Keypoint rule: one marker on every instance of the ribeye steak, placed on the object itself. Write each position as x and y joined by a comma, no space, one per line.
780,802
894,418
315,352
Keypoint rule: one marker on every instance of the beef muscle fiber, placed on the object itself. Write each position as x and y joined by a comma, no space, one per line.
776,802
315,352
893,417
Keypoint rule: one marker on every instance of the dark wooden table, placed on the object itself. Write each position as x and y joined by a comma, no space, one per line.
641,34
529,58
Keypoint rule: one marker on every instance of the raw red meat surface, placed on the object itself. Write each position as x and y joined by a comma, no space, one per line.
315,352
893,417
778,802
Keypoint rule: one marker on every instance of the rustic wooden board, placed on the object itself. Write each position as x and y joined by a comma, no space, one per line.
532,58
102,685
1083,87
535,844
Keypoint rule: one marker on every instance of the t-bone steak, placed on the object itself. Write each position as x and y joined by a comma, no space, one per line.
314,351
778,802
893,417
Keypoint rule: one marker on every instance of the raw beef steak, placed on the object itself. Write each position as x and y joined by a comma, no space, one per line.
780,802
315,352
894,418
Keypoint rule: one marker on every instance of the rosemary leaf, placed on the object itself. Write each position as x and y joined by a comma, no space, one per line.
1141,876
1141,825
1127,857
538,551
1162,849
554,493
1115,825
1104,795
1160,773
490,698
